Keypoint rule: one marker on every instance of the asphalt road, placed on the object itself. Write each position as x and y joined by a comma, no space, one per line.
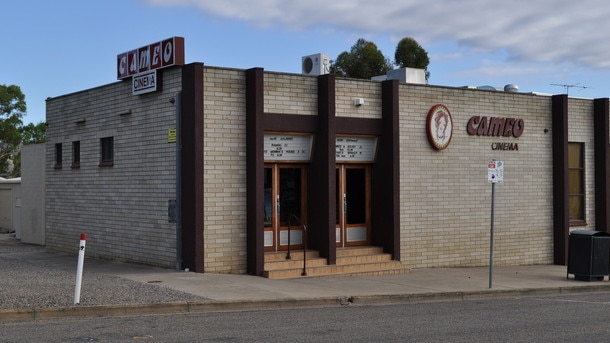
566,318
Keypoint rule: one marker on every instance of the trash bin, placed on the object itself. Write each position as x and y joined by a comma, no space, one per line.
589,255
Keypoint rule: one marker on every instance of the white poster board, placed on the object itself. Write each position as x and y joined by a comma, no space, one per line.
286,147
356,149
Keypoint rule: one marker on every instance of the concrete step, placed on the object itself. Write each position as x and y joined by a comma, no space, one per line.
355,259
294,255
351,261
295,263
375,268
362,250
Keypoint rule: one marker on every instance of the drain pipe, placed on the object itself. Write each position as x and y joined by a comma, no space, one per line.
177,101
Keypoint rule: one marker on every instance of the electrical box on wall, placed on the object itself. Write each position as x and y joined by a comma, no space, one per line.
317,64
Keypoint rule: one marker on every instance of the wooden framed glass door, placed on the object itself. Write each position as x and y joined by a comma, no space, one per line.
353,205
285,199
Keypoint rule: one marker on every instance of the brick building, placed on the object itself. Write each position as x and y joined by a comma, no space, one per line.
342,165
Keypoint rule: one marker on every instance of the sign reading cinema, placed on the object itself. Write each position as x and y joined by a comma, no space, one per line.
144,83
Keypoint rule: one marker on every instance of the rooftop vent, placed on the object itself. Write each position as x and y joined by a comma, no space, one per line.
511,88
404,75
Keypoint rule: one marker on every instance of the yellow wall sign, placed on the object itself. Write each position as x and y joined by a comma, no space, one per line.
171,136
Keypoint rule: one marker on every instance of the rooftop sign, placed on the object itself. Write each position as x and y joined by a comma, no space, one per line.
166,53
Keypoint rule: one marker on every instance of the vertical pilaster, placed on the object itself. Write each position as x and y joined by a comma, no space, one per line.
322,177
255,165
192,167
386,176
561,223
602,186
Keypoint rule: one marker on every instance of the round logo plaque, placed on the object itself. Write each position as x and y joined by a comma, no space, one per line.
439,126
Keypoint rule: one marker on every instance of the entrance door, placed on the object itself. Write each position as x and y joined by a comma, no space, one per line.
284,206
353,205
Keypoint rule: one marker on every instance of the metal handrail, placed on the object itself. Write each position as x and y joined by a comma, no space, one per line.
300,222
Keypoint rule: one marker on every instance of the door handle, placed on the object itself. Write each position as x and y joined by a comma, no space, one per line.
277,205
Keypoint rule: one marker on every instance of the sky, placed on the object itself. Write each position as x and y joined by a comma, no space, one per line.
56,47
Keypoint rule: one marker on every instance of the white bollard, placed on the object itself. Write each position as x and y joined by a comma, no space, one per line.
79,267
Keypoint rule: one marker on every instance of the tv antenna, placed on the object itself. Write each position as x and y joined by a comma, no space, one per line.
568,86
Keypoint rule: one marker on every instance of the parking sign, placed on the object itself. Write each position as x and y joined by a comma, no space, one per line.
495,171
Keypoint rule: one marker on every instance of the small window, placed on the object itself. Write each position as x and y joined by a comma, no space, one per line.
58,155
576,183
107,151
76,154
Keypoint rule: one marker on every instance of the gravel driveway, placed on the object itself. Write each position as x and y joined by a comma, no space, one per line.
33,278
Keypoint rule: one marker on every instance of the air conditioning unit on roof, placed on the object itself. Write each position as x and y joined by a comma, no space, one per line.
317,64
408,75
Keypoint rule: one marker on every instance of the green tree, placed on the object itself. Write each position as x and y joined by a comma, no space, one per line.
409,54
363,61
33,133
30,134
12,109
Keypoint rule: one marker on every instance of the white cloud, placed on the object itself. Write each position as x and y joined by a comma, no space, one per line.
559,31
493,69
446,56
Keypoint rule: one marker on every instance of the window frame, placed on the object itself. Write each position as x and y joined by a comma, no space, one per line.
106,151
577,171
58,156
76,154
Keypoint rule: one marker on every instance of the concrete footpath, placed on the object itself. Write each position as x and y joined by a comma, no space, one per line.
126,289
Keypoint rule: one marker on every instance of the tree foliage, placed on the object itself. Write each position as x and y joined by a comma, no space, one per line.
409,54
12,109
33,133
363,61
13,134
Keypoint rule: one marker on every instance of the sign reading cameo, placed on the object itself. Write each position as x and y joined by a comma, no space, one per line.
439,126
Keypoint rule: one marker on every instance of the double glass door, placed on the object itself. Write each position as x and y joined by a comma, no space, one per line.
284,206
353,205
285,201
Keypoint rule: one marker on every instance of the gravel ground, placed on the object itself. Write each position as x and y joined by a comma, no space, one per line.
32,278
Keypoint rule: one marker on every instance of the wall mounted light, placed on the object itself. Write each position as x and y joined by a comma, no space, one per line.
125,113
358,102
80,120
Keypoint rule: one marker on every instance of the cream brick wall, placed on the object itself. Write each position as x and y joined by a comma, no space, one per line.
290,93
581,131
348,89
445,196
224,170
123,208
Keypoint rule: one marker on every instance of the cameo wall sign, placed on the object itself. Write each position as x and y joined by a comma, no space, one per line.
439,126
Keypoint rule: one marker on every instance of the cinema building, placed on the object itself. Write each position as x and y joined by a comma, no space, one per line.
217,170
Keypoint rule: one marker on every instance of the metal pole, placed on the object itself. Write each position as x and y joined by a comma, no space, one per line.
178,181
491,235
79,267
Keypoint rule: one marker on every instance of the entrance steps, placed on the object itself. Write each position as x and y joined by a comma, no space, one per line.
351,261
